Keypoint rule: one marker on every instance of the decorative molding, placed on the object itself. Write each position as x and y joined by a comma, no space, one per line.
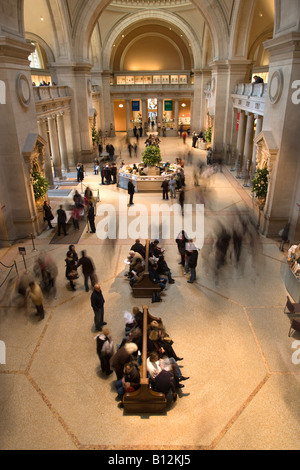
276,86
23,88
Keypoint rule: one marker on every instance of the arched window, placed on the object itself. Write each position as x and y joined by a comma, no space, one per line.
36,60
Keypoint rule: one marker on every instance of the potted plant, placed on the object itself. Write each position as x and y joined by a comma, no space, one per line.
260,184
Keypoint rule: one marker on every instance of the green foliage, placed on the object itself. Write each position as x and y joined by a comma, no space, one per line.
95,137
260,183
40,185
208,135
152,156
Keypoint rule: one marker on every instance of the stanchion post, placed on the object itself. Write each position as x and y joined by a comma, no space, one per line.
16,268
24,262
33,245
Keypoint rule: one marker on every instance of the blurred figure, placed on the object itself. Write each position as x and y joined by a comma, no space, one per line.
45,270
75,217
284,233
22,285
221,247
181,200
35,293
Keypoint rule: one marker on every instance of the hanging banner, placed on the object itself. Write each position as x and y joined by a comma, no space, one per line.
168,105
135,106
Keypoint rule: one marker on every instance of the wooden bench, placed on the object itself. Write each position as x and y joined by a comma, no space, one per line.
145,400
144,289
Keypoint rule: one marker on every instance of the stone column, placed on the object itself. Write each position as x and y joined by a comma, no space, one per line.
128,123
259,124
196,116
69,138
106,118
240,143
112,127
248,148
42,125
55,147
144,112
282,111
62,142
233,138
176,114
160,110
18,123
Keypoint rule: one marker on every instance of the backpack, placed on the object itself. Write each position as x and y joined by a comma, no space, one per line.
107,348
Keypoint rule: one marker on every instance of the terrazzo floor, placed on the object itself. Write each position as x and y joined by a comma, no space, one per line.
229,326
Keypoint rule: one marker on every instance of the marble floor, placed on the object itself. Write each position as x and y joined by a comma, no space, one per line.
229,327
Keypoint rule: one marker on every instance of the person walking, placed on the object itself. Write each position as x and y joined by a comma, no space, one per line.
35,293
88,270
192,263
97,302
61,221
131,191
48,216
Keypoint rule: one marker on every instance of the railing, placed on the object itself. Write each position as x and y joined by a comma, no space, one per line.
50,93
258,90
250,97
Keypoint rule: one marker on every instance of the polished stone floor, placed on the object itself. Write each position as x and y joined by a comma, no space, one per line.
229,326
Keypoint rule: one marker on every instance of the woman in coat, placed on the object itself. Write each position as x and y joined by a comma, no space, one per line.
105,350
71,270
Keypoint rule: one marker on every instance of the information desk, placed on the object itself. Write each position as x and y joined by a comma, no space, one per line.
292,284
143,184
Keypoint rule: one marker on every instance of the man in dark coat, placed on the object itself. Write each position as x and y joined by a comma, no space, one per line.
165,188
131,191
88,270
61,221
91,217
192,263
138,248
97,302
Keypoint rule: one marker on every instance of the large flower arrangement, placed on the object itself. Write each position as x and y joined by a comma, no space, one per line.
152,156
40,185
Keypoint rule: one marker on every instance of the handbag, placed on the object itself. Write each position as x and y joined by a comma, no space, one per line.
73,275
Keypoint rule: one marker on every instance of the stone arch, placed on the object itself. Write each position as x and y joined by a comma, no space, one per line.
33,37
180,55
146,15
241,26
61,30
90,11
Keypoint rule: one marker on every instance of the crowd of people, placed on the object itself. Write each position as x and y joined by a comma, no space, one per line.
159,271
125,360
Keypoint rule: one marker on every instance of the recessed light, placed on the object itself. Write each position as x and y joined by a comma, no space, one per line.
42,19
